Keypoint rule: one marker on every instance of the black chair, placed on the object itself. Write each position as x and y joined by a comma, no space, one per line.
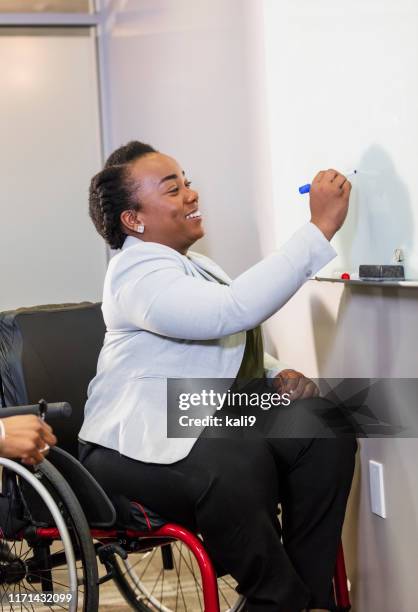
51,351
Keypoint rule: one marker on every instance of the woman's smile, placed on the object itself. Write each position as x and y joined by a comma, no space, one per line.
196,215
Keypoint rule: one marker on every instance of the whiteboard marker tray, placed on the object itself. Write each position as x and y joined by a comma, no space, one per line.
376,283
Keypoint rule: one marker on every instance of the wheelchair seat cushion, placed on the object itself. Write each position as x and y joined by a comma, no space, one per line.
133,515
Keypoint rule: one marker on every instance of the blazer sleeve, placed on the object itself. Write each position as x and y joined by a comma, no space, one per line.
157,295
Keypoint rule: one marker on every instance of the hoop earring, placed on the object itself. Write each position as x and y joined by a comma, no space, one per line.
140,229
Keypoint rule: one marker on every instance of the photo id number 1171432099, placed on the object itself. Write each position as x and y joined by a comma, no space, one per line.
39,598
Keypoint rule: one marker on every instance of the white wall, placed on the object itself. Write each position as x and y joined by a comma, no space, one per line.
189,77
328,330
178,79
340,95
361,332
49,122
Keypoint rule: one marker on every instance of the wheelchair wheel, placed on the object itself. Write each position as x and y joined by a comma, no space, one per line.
167,578
37,568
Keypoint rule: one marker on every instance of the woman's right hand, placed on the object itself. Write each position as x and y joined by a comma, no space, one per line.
329,195
27,437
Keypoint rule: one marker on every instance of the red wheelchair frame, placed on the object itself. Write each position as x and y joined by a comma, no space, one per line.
171,531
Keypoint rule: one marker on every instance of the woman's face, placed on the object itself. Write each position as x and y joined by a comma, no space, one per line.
168,206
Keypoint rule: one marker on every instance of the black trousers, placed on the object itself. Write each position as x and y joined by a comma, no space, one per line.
229,489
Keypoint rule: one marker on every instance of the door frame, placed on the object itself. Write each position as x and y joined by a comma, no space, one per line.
97,23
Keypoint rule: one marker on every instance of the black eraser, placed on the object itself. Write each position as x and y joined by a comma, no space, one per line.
375,272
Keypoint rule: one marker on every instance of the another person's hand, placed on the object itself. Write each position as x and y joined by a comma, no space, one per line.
295,384
27,437
329,196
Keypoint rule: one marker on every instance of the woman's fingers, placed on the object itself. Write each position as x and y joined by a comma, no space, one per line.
296,385
318,178
305,389
331,175
290,380
310,390
298,390
33,458
27,439
48,437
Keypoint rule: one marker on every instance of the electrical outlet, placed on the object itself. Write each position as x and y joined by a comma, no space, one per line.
377,488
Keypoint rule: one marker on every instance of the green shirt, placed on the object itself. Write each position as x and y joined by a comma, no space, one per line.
252,364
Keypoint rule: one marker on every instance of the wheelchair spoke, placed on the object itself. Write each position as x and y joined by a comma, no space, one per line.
162,587
177,591
147,565
169,581
25,590
156,582
31,564
190,567
195,579
223,596
140,560
178,577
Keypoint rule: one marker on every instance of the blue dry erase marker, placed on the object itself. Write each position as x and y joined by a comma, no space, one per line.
306,188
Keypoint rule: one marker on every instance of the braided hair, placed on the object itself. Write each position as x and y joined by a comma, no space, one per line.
111,192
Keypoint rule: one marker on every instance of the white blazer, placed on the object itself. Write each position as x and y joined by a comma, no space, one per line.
166,316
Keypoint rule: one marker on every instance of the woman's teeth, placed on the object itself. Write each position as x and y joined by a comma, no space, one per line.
193,215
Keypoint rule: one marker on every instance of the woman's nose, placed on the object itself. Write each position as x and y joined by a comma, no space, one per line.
192,195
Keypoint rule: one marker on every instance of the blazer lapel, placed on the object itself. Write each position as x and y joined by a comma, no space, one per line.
208,267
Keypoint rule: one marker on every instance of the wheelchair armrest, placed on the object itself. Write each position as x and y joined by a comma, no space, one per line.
98,508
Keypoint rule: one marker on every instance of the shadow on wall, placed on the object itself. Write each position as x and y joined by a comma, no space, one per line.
371,332
365,337
370,335
380,217
325,329
379,221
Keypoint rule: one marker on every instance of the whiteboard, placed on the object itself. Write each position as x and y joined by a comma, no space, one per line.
343,93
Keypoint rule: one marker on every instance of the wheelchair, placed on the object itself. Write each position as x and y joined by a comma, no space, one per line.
46,552
52,351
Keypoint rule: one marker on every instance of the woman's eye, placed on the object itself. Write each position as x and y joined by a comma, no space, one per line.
175,190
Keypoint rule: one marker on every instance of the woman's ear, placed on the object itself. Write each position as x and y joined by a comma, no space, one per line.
130,220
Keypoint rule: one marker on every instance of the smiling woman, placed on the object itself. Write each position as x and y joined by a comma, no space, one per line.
167,209
173,313
148,196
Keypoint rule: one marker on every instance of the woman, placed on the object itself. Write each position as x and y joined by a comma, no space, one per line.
170,312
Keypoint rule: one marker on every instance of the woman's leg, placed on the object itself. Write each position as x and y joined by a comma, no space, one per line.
228,487
161,488
237,516
315,483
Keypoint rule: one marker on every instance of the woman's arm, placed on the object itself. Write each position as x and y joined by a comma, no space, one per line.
155,293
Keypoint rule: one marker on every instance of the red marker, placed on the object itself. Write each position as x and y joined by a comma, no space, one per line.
345,276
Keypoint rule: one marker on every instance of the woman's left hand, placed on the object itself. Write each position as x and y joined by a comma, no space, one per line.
295,384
